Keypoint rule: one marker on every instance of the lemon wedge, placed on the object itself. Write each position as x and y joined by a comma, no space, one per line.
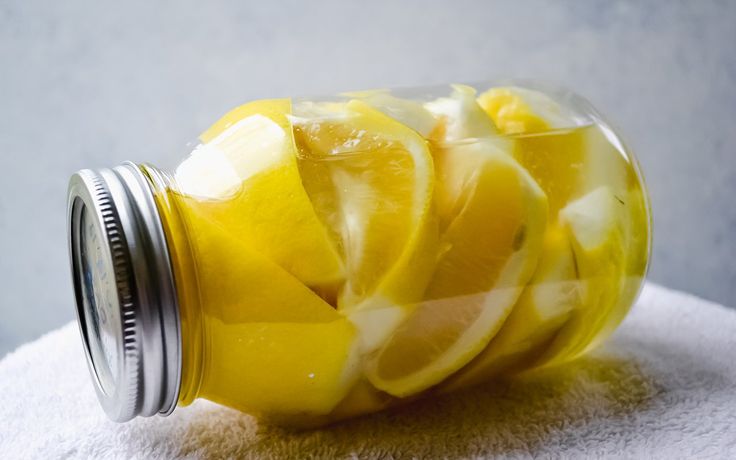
294,351
586,176
289,368
462,117
462,126
517,110
244,176
596,227
566,158
545,305
371,181
488,252
554,160
636,225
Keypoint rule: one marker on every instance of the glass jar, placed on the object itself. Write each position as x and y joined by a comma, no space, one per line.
317,259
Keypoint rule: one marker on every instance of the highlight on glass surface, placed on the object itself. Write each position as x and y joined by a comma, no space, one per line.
336,256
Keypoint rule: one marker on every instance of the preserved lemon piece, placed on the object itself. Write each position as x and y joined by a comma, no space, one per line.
245,177
483,266
637,250
295,352
520,110
371,180
289,368
553,292
462,117
568,164
595,224
463,126
242,285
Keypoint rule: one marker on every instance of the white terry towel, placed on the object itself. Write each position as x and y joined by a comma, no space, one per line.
663,387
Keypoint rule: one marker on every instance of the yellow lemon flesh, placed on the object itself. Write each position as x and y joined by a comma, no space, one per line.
407,112
494,219
244,176
463,126
289,368
596,228
566,159
635,224
371,181
517,110
554,160
544,306
268,331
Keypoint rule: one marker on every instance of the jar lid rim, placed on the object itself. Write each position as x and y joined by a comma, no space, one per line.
126,300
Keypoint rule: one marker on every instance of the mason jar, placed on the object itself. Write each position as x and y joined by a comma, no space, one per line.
313,259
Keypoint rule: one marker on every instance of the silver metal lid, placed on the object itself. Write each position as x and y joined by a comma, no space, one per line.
124,286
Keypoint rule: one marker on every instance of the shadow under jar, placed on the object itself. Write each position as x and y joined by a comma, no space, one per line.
317,259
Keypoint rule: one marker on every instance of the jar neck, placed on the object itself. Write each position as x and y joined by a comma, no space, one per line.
185,280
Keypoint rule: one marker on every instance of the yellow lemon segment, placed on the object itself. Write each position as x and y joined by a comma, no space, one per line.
595,225
517,110
238,284
544,306
294,351
371,180
488,252
570,162
245,177
461,116
555,161
462,126
636,223
288,368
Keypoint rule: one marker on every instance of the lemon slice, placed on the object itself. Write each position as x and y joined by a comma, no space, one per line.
570,161
595,224
517,110
544,306
462,126
634,226
268,331
244,176
554,160
488,253
371,181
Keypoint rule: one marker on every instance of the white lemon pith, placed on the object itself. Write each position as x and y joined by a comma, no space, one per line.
462,117
407,112
215,170
289,368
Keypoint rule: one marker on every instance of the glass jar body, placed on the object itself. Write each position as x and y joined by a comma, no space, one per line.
337,256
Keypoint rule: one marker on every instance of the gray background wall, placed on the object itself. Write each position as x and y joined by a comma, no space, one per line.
87,84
